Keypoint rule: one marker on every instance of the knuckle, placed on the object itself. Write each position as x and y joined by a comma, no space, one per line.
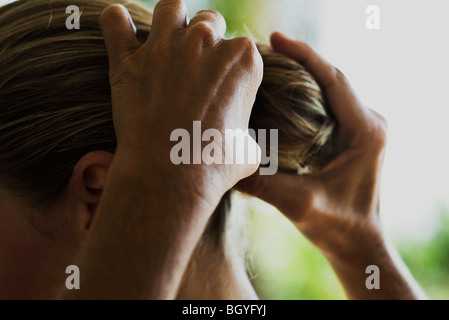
251,56
337,77
340,76
248,50
168,5
246,44
203,31
381,135
213,13
307,48
168,8
379,131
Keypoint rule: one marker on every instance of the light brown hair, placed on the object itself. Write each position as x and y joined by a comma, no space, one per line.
55,103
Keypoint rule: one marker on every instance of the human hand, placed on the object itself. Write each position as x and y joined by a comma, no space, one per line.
336,208
184,72
152,213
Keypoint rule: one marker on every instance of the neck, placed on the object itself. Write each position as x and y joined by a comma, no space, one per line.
215,273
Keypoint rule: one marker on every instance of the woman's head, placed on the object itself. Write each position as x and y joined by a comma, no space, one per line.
56,104
56,124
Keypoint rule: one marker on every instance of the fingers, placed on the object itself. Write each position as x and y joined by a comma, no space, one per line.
301,52
348,110
212,19
119,33
169,16
244,51
290,194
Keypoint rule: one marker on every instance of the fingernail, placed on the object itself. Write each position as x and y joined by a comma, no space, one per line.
130,19
133,26
131,22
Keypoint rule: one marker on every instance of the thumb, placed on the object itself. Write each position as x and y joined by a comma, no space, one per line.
287,192
119,33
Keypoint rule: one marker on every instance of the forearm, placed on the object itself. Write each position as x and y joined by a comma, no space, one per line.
395,280
143,234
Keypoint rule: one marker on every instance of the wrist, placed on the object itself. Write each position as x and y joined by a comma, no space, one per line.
378,273
358,245
190,186
361,255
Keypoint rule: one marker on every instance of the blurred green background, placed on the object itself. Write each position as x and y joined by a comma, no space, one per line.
286,265
238,14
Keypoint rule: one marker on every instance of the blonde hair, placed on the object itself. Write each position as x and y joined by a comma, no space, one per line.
56,104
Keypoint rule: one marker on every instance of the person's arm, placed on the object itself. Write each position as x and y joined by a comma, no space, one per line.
395,280
337,208
153,212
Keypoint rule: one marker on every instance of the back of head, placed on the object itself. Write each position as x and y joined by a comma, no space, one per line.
291,101
56,104
54,93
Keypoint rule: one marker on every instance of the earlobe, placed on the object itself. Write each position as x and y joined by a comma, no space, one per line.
87,184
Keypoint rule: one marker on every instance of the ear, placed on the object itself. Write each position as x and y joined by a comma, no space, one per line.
86,186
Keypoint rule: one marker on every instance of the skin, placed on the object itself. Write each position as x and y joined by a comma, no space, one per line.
135,216
166,199
337,209
170,204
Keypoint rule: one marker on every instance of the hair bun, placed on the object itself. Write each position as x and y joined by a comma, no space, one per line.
290,100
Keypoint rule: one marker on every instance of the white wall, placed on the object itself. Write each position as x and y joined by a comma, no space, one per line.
401,71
